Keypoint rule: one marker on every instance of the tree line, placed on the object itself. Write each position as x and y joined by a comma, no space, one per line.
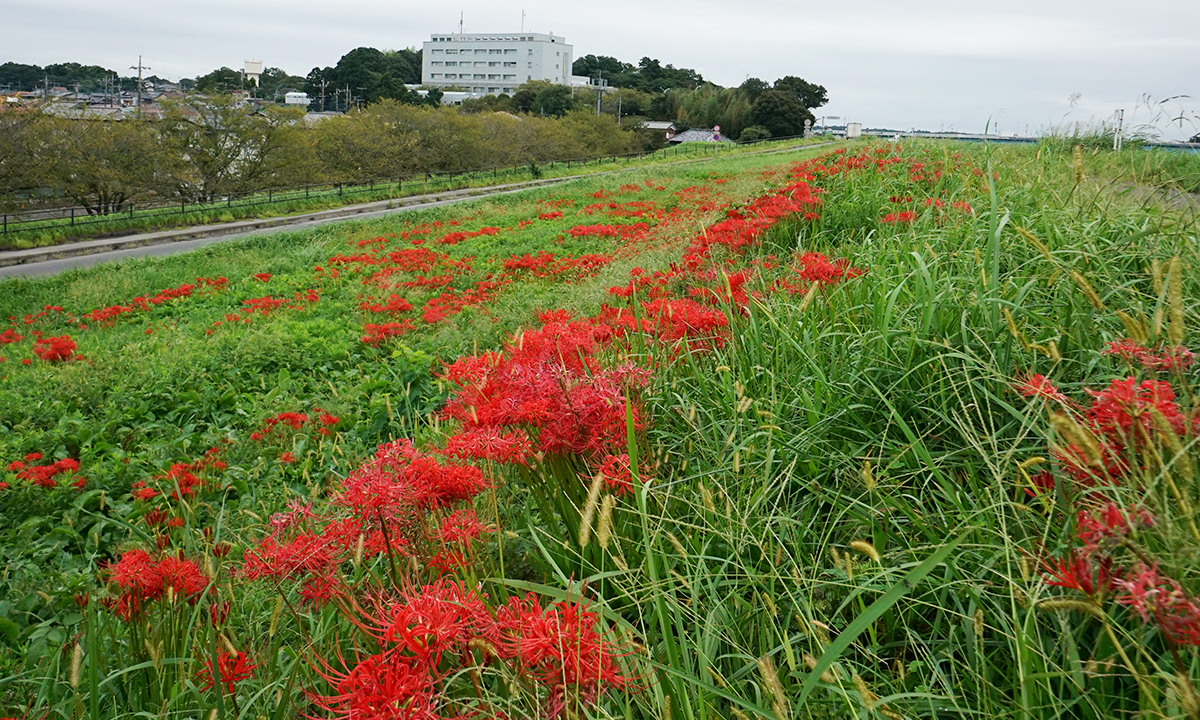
207,148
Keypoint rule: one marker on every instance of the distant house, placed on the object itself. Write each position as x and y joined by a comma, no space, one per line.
698,135
667,128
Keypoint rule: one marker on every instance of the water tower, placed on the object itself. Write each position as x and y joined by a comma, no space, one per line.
253,69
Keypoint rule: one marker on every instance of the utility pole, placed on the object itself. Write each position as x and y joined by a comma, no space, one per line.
323,83
522,22
45,87
139,67
1118,141
599,89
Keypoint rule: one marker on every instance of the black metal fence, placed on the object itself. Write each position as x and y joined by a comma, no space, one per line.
415,184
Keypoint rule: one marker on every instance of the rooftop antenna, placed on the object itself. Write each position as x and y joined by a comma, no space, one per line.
460,21
522,22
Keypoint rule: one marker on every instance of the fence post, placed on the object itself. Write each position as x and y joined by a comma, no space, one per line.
270,195
5,223
72,216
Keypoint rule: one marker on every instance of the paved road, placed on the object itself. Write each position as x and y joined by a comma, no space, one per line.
54,266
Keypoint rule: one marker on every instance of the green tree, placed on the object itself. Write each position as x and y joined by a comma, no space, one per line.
217,146
21,77
24,134
754,133
221,80
274,83
753,87
810,96
102,164
780,113
542,97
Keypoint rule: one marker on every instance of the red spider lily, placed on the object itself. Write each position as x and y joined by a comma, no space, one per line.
303,555
1108,526
1039,386
462,528
552,215
1087,575
43,475
1126,404
900,218
489,443
1163,600
55,349
1163,359
376,334
617,474
231,669
262,277
138,575
184,576
287,458
815,267
427,623
560,647
321,589
380,687
9,336
394,305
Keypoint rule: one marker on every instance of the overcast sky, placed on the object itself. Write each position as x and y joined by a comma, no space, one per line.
933,64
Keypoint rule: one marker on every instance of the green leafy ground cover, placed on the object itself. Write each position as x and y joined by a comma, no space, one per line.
803,462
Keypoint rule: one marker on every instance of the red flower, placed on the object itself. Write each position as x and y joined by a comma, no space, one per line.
287,458
232,669
463,527
1126,405
55,349
1078,572
262,276
1039,386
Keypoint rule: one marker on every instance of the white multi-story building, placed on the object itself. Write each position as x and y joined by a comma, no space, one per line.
494,64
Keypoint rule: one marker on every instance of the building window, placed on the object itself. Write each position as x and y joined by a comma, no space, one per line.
493,77
437,51
510,77
436,76
510,52
451,63
495,52
493,89
480,76
510,64
493,64
481,52
530,51
528,64
437,63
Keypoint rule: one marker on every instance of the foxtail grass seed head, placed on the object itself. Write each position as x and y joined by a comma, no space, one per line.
1088,291
865,548
212,714
589,510
275,617
1031,462
604,527
738,714
1077,163
483,646
666,707
76,666
770,681
1070,605
827,676
154,651
358,550
1052,351
1134,330
770,605
619,561
707,496
737,461
810,295
868,475
1013,330
743,405
1175,300
1024,569
868,698
821,631
1156,275
1034,241
677,545
977,624
1186,692
1073,433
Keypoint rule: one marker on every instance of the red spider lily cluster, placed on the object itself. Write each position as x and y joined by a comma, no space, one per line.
277,425
108,315
140,578
1109,444
45,476
55,349
378,333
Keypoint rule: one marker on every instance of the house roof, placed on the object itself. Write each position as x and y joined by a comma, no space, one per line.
698,136
657,125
